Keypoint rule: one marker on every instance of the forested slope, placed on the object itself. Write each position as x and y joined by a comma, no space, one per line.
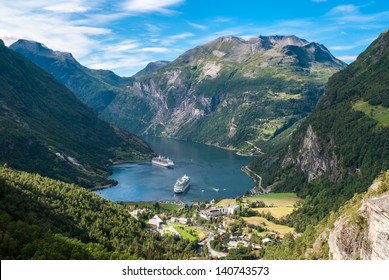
41,218
44,128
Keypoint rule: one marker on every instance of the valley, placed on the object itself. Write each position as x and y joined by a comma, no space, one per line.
209,94
313,132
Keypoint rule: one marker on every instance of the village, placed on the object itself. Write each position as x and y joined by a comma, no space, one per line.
219,227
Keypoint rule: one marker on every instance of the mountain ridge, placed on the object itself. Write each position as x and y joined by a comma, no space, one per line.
188,96
95,88
211,93
46,129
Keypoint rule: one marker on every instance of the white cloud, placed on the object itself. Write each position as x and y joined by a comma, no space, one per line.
348,58
363,42
154,50
222,20
344,9
147,6
67,8
197,26
181,36
124,46
33,21
343,48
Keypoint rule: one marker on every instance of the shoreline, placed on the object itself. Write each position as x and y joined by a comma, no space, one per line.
238,152
96,188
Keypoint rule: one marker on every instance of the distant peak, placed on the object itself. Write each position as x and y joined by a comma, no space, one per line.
30,45
37,48
266,42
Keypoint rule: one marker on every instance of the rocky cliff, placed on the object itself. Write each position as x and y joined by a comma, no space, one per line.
364,233
313,159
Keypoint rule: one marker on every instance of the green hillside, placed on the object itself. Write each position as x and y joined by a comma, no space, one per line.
342,146
95,88
41,218
44,128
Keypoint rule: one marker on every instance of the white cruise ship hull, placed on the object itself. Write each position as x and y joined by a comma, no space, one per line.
182,184
180,189
162,161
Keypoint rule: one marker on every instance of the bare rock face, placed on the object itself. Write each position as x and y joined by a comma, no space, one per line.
312,159
376,211
362,235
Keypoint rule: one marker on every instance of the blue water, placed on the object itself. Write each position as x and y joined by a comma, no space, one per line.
209,168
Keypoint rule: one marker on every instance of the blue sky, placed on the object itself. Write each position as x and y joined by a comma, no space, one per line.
124,35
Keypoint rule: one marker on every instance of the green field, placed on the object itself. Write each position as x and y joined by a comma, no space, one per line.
277,212
226,202
185,232
378,113
276,199
260,221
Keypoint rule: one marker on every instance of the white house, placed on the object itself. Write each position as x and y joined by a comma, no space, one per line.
266,240
183,221
155,222
233,209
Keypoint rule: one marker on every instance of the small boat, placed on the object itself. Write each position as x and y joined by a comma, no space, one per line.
216,190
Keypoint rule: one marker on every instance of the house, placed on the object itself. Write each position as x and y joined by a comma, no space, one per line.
155,222
174,220
223,211
266,240
233,209
210,214
232,244
137,212
183,221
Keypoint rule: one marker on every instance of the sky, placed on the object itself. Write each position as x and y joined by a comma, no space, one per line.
125,35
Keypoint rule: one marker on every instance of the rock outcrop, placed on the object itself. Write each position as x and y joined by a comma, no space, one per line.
363,234
313,159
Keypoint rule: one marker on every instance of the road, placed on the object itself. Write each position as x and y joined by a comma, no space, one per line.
207,241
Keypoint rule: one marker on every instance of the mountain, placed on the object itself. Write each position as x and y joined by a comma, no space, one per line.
44,128
41,218
151,68
342,146
231,92
228,91
95,88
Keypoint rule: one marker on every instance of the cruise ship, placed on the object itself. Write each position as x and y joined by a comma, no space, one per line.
162,161
182,184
